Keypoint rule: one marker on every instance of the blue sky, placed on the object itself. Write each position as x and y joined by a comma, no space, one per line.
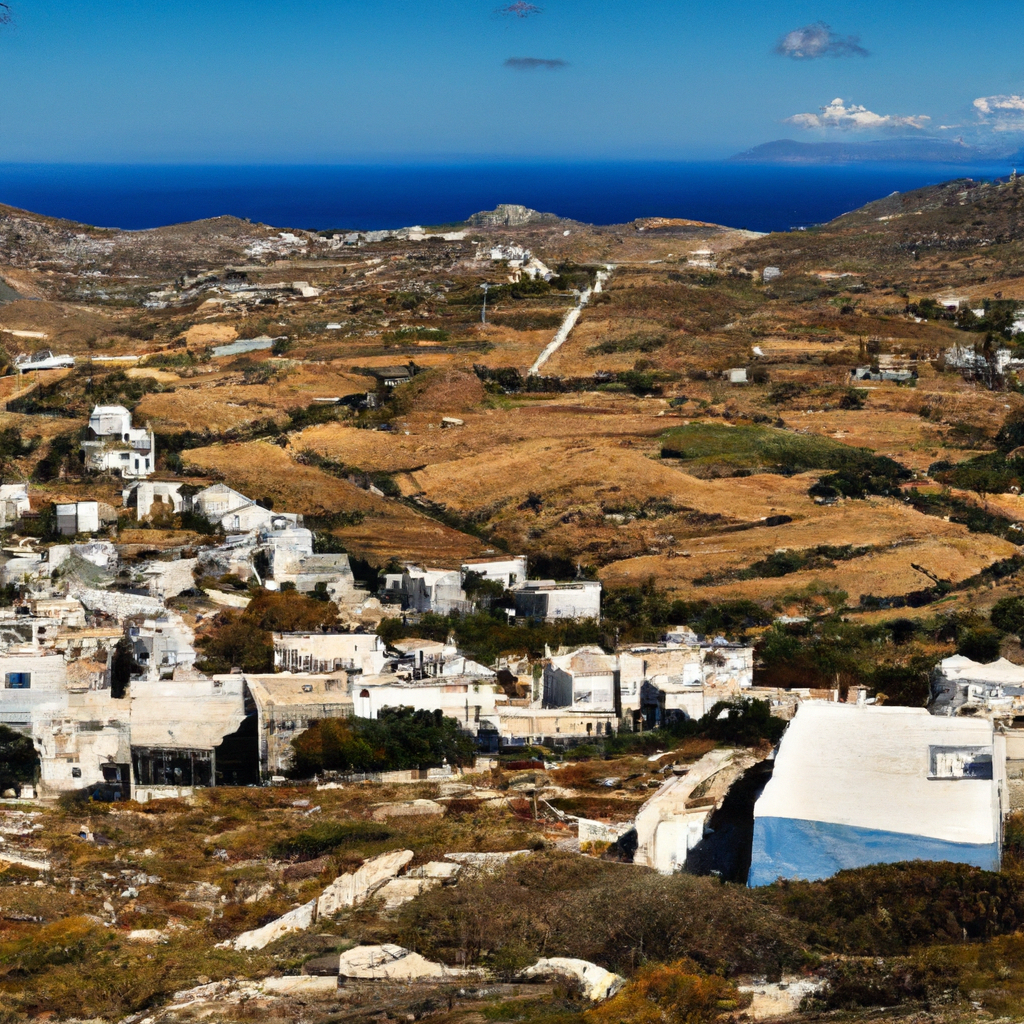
351,80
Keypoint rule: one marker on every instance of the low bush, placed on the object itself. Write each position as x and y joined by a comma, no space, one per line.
327,836
679,992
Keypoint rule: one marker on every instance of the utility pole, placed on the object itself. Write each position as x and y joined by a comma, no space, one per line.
483,313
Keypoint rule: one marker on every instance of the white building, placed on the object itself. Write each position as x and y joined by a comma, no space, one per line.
288,550
960,683
163,647
473,703
14,503
427,590
114,445
84,517
857,785
427,659
548,600
329,652
509,572
236,513
686,677
587,679
552,727
147,497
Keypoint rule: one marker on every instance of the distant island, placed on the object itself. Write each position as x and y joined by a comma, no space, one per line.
944,151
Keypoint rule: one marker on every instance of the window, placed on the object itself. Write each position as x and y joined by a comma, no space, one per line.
19,680
960,762
364,693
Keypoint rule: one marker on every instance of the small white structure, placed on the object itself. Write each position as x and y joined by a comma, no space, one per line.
427,590
959,682
470,701
856,784
509,572
163,646
685,677
14,503
770,274
590,680
149,496
737,375
548,600
329,652
236,513
83,517
114,445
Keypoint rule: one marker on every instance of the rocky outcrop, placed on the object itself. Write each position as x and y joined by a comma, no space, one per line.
395,963
595,982
401,890
297,920
300,985
509,215
407,808
352,888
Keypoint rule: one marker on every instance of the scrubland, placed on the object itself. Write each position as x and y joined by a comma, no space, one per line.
885,512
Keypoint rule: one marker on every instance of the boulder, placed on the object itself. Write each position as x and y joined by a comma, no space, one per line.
435,869
297,920
401,890
394,963
477,862
352,888
595,981
407,808
146,935
300,985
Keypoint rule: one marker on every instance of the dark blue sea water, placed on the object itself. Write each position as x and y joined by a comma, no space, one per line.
758,197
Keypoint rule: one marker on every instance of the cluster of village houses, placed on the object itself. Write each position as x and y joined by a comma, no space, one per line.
172,728
152,725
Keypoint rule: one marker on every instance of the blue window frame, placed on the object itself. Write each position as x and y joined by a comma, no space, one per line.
19,680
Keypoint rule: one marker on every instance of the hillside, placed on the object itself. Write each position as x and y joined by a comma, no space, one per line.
579,462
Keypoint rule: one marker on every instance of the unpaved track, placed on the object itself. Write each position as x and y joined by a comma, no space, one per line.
570,320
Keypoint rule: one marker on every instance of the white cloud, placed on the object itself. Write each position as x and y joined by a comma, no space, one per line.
856,118
818,40
1001,113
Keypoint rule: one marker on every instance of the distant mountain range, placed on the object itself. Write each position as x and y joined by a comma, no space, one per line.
939,151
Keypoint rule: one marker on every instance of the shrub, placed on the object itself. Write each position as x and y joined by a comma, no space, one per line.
244,639
399,738
678,992
326,836
1008,615
18,758
979,644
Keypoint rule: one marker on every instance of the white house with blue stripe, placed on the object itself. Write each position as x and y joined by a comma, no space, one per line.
855,785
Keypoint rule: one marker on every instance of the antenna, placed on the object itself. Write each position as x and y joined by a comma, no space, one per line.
483,313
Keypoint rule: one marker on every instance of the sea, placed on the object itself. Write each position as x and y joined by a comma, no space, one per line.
367,196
